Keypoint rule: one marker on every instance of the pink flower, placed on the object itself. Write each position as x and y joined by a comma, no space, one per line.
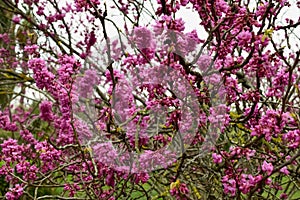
244,38
12,151
283,196
204,62
16,19
179,190
284,170
217,158
90,40
86,83
229,185
68,67
72,188
142,177
27,136
267,167
42,76
5,123
14,193
184,2
144,41
110,180
183,188
292,138
31,49
268,181
46,111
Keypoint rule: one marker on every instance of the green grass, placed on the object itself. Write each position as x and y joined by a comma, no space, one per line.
288,188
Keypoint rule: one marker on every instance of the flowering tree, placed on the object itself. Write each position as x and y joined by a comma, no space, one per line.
119,100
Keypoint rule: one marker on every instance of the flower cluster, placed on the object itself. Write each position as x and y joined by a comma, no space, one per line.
211,113
43,77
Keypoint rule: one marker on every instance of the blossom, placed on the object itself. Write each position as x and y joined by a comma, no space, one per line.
14,193
29,171
5,122
48,155
236,40
142,177
105,153
284,196
144,40
204,62
68,66
46,111
247,181
217,158
42,76
12,151
72,188
284,170
143,37
229,185
244,38
31,49
16,19
292,138
86,83
27,136
267,167
184,2
178,189
270,125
